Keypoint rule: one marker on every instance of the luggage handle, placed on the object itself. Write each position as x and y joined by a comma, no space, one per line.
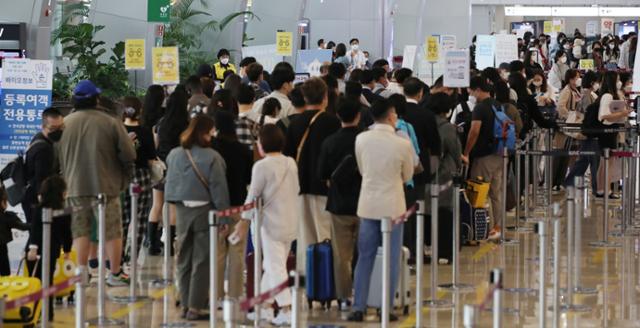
24,261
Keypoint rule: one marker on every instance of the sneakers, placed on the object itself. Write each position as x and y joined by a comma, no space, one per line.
283,319
495,233
118,280
356,316
265,314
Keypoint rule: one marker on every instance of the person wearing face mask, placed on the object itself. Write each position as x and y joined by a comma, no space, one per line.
557,45
40,158
568,101
544,93
611,54
358,59
223,64
627,82
559,69
590,87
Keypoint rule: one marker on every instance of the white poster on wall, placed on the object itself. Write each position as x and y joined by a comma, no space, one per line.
456,68
592,28
606,26
506,48
485,51
409,57
447,42
265,55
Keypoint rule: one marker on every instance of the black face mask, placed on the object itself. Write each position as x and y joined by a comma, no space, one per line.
55,135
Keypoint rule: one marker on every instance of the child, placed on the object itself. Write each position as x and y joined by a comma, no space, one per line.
8,220
275,179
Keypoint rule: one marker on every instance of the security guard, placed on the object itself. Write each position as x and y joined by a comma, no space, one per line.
223,65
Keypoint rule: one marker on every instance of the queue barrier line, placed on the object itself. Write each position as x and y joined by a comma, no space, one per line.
246,304
405,216
236,210
42,293
556,153
624,154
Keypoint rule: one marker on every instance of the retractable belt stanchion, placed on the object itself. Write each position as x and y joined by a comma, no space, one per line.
455,284
81,297
298,282
166,260
605,243
434,302
536,175
549,175
257,257
555,306
213,267
573,205
518,177
47,218
505,177
386,226
469,316
577,249
102,319
134,191
419,260
542,274
230,308
527,181
496,281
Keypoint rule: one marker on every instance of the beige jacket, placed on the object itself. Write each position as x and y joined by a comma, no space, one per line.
385,161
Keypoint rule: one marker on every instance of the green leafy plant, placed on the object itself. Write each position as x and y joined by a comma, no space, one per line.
79,45
185,31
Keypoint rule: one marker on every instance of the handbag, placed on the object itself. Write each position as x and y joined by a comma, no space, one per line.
157,168
200,176
575,117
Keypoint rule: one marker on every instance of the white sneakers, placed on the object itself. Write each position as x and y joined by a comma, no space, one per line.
283,318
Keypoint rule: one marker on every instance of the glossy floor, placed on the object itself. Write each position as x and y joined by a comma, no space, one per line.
613,272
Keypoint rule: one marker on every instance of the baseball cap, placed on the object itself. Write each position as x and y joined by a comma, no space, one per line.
85,89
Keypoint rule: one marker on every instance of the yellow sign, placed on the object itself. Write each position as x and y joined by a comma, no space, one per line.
433,51
166,65
134,54
558,25
284,43
587,64
548,27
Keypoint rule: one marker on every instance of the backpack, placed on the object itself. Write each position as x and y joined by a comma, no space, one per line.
504,132
14,176
463,122
591,121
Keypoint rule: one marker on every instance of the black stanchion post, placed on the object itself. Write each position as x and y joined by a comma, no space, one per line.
213,267
505,185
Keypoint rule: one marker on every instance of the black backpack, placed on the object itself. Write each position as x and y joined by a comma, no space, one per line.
591,120
14,176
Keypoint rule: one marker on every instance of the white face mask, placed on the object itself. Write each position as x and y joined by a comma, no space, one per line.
472,99
596,87
619,85
628,88
567,46
611,45
504,75
579,82
537,83
224,60
563,60
355,46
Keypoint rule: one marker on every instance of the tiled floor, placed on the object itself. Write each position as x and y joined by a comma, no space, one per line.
615,273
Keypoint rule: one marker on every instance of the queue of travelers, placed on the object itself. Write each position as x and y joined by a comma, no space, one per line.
330,157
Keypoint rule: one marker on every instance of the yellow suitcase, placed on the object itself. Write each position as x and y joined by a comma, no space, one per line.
15,287
477,191
65,269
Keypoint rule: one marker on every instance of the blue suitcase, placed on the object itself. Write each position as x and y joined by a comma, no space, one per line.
320,283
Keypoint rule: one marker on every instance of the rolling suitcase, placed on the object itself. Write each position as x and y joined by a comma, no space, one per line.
474,222
15,287
402,296
320,282
65,269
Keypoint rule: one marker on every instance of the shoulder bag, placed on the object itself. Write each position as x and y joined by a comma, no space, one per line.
306,135
199,174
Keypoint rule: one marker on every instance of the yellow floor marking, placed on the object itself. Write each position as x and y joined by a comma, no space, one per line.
484,249
123,312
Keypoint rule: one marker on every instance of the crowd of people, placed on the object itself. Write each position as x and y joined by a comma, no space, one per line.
330,158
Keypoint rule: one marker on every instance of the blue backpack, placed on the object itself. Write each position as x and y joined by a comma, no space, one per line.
504,132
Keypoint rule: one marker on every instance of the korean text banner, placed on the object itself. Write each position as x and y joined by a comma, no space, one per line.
485,51
26,93
310,61
134,54
166,65
456,68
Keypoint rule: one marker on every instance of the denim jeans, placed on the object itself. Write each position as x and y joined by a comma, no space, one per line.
369,239
584,162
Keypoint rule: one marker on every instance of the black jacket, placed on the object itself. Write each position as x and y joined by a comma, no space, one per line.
343,195
239,160
8,221
324,126
40,164
370,96
424,124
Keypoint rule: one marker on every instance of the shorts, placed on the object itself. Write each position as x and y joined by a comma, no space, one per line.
82,221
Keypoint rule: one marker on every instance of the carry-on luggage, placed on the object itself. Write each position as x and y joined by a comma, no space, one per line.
320,282
65,269
402,296
15,287
474,222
